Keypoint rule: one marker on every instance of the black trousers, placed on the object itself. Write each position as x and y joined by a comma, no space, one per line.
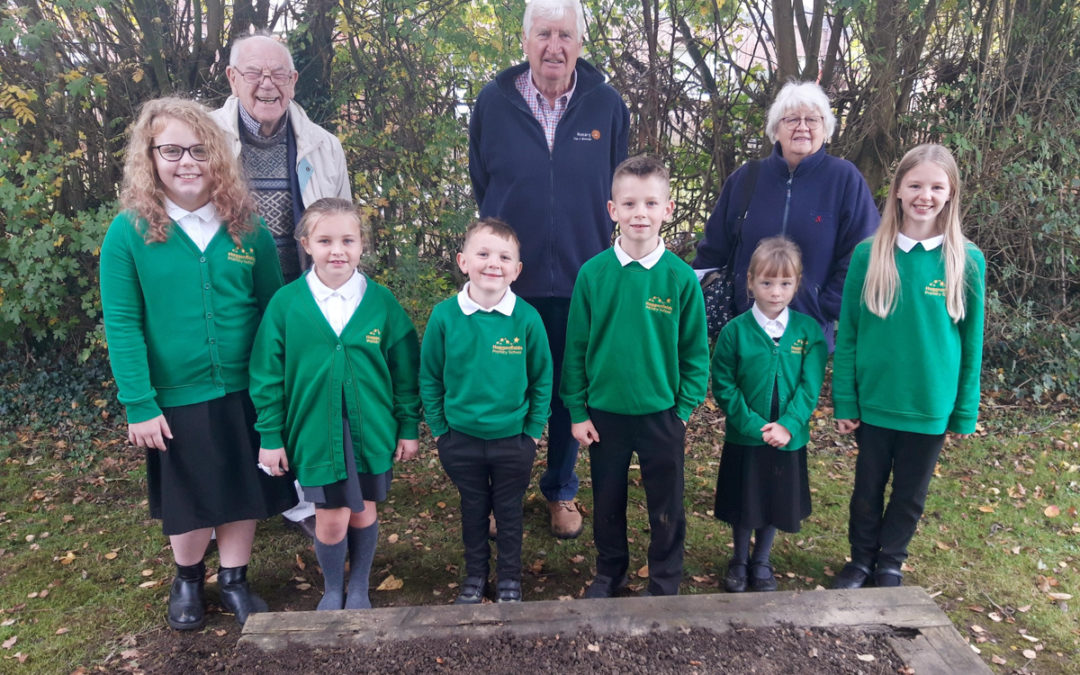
492,477
880,534
658,439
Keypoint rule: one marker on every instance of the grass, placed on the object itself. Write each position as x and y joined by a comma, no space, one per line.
84,572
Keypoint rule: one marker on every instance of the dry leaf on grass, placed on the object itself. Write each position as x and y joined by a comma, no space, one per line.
390,583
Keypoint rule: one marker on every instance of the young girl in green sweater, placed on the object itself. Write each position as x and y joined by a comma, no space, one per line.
767,373
908,357
186,270
334,379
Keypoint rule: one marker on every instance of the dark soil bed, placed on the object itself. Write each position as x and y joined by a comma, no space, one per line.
779,650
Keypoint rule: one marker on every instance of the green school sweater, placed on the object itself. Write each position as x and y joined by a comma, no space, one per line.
747,363
300,370
915,370
179,322
485,374
635,340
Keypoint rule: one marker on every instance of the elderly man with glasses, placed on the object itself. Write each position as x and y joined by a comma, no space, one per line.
289,160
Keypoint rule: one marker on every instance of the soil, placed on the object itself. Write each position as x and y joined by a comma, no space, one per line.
779,650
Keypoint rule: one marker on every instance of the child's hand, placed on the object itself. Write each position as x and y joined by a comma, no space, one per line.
406,449
847,426
274,459
775,434
150,434
585,432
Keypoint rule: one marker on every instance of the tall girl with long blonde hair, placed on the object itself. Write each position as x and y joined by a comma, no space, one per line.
908,358
186,271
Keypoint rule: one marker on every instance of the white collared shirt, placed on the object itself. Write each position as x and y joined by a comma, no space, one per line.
337,304
469,306
774,328
199,225
906,243
647,261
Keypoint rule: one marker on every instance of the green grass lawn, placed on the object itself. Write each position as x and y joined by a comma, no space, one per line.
84,572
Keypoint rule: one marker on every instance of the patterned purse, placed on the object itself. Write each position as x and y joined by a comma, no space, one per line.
718,286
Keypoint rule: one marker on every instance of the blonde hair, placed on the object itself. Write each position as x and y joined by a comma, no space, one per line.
882,281
775,256
142,192
327,206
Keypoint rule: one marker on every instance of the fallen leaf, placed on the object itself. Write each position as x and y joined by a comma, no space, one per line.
866,657
7,622
393,538
300,562
977,628
61,631
441,505
998,660
1030,638
147,573
390,583
578,559
221,633
1051,511
986,508
111,555
68,558
1059,596
943,546
1029,653
1024,610
995,617
10,642
303,587
593,647
148,584
20,657
643,573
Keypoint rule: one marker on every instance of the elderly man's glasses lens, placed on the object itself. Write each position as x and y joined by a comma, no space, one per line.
173,153
278,77
812,122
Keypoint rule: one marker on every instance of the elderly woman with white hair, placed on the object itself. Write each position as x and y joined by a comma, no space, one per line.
799,191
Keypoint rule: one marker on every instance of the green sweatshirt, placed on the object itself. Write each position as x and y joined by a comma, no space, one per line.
746,365
300,369
635,340
485,374
915,370
178,321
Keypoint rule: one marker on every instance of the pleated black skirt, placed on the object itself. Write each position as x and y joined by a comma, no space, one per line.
759,485
208,476
354,488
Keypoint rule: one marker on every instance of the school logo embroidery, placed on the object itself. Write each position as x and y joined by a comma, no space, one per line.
658,304
244,256
374,337
507,346
936,287
799,346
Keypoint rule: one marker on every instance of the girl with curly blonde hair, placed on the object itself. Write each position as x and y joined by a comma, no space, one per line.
187,269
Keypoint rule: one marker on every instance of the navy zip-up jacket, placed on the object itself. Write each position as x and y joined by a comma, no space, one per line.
555,200
824,206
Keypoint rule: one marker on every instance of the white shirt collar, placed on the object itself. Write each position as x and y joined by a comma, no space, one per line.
469,306
647,261
207,213
906,243
774,328
349,291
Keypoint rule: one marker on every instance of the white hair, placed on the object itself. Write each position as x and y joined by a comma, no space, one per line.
553,10
795,95
238,43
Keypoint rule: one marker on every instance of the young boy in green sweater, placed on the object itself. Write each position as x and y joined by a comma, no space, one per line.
636,366
485,381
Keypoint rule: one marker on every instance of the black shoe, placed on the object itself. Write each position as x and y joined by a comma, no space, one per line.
854,575
472,591
735,579
307,525
762,579
603,586
508,590
888,577
236,596
187,602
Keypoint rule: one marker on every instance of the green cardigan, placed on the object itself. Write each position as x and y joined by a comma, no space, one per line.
179,322
747,363
301,370
916,370
636,342
486,374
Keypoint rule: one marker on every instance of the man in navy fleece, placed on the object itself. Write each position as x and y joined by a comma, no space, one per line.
544,140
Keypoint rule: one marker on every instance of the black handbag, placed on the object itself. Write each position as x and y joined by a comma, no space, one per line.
718,286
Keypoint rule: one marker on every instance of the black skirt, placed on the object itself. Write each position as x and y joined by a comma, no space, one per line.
759,485
208,476
352,490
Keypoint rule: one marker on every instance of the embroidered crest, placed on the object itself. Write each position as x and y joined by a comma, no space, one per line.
374,337
507,346
244,256
936,287
658,304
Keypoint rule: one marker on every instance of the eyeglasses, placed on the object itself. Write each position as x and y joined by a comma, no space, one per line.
812,122
278,77
173,153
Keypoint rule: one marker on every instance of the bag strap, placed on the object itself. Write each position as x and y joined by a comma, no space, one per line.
753,168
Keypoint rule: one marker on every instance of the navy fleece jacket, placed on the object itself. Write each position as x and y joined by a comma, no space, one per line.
555,200
824,206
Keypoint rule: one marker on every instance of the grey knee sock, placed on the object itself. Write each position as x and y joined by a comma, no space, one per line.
332,560
362,543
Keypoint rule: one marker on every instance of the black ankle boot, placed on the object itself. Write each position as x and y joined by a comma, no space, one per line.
236,596
187,604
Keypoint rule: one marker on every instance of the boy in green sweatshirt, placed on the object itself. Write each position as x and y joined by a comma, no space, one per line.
636,365
485,381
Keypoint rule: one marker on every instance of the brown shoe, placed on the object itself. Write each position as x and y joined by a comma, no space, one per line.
565,519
